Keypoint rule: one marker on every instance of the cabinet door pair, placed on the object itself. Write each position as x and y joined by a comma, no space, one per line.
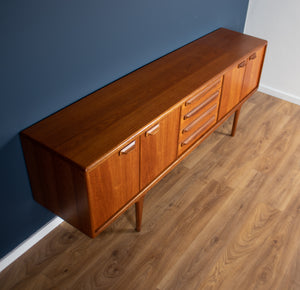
240,81
125,173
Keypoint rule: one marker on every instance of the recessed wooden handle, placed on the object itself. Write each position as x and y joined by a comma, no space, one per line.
153,130
253,56
199,119
242,64
201,106
128,148
199,131
202,93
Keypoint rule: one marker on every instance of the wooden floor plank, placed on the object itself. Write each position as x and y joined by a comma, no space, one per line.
237,255
203,253
227,217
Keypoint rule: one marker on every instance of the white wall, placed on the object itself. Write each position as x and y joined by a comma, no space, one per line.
278,22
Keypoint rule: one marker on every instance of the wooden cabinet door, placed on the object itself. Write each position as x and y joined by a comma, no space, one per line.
159,147
252,73
232,88
113,183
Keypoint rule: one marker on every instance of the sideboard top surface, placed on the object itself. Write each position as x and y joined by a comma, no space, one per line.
87,130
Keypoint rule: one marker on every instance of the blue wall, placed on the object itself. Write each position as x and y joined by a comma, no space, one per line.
54,52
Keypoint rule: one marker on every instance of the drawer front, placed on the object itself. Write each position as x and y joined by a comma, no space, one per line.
203,95
196,134
198,114
208,114
198,111
193,131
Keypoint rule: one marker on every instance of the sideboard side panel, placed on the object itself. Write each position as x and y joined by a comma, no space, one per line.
57,185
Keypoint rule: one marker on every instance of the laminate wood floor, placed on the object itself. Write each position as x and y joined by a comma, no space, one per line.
227,217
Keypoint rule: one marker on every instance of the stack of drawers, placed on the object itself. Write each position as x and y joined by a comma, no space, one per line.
199,113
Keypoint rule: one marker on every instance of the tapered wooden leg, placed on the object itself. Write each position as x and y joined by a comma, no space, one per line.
139,213
235,121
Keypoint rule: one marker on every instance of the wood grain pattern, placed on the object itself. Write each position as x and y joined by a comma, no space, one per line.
202,95
252,73
241,80
158,151
235,122
227,217
139,214
232,88
123,138
113,183
191,126
199,113
86,131
213,98
185,122
200,130
58,185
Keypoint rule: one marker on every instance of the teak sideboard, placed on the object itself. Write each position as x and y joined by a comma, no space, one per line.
91,161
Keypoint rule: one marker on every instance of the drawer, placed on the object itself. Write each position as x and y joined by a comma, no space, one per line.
187,141
198,114
202,96
188,117
195,129
210,113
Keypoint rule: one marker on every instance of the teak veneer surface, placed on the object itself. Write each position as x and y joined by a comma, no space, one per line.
227,217
89,129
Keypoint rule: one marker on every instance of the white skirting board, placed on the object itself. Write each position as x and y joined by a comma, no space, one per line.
279,94
28,243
